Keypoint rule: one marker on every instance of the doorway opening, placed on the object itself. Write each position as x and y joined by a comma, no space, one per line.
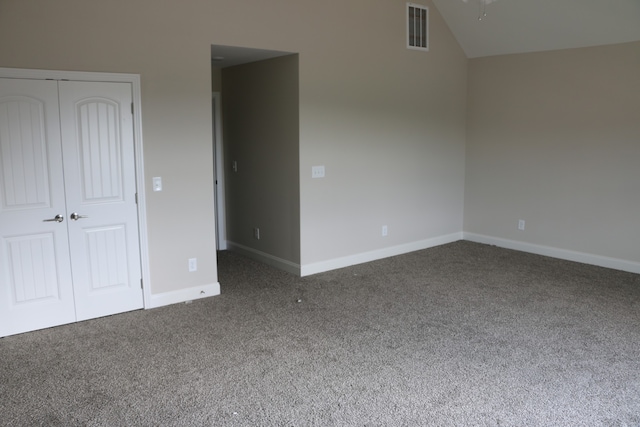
255,105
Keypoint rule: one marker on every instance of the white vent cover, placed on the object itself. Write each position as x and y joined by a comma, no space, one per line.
417,27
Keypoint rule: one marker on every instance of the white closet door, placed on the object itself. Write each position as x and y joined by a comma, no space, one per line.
35,275
99,169
69,247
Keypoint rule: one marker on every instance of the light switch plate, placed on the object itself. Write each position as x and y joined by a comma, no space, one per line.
157,183
317,171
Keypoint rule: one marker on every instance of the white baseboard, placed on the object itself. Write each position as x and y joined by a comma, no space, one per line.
585,258
265,258
332,264
335,263
182,295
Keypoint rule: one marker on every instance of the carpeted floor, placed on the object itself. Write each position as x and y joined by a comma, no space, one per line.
459,335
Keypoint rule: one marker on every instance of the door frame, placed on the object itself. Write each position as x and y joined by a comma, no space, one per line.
218,168
134,80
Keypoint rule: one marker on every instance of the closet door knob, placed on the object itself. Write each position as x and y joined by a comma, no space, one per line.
57,218
76,216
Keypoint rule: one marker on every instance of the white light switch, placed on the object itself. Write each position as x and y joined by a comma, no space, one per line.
317,171
157,183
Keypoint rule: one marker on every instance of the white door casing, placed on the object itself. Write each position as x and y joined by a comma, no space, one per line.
218,173
58,272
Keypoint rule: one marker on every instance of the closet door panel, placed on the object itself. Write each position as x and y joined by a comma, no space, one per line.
99,163
35,276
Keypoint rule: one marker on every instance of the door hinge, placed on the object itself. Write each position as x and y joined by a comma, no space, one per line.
141,286
136,198
132,108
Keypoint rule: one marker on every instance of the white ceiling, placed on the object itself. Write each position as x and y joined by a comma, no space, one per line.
517,26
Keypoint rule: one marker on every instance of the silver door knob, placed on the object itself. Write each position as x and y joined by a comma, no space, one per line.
76,216
57,218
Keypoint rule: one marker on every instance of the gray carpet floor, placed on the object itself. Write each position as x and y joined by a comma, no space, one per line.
459,335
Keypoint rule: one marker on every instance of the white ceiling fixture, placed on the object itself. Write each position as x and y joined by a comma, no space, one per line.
518,26
482,7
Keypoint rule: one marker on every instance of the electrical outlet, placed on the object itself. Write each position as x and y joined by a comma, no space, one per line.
521,224
385,230
193,264
256,233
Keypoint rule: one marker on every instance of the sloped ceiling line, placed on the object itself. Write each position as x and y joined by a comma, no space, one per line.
519,26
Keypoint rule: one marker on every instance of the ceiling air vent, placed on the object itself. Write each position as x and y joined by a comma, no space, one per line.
417,27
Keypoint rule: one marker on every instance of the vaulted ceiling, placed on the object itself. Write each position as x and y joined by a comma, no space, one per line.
510,26
517,26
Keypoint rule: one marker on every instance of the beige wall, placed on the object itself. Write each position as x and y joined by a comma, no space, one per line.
554,138
260,105
216,79
156,42
387,122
